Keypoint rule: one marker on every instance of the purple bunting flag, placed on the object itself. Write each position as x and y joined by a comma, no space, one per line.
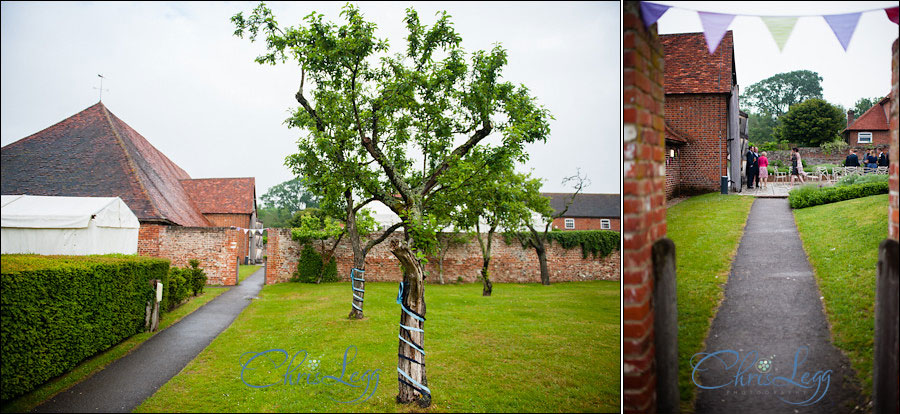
893,14
714,27
843,26
651,12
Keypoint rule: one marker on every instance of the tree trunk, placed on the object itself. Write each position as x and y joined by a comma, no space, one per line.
441,270
486,278
542,259
357,278
411,361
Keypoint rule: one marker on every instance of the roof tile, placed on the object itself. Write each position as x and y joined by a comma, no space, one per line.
691,69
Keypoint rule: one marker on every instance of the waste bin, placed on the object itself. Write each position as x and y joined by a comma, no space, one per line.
724,184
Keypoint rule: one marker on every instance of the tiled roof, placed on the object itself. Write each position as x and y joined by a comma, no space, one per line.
674,136
94,154
222,195
691,69
873,119
586,205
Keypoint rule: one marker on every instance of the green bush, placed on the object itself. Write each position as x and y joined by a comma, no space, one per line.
810,195
594,242
177,290
309,266
198,277
862,179
58,310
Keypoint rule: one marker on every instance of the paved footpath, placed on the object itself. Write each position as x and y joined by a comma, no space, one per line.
127,382
772,306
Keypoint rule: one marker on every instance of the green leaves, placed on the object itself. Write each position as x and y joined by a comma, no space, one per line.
811,123
776,94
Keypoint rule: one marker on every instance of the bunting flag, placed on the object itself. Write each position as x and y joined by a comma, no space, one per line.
843,26
716,24
780,28
714,27
254,231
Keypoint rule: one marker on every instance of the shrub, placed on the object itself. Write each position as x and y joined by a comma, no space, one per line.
810,195
593,242
176,291
861,179
834,147
198,277
58,310
310,265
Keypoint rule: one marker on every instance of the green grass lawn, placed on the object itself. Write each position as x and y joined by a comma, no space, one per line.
841,240
96,363
706,230
246,270
526,348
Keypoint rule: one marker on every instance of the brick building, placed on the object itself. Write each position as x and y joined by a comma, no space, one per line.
871,129
95,154
702,117
587,211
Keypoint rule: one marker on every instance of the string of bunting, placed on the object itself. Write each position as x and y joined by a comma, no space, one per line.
409,381
254,231
780,27
353,281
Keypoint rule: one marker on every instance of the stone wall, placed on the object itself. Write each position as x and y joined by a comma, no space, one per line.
815,156
510,263
215,247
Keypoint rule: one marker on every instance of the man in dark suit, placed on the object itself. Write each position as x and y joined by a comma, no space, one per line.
852,160
752,168
883,159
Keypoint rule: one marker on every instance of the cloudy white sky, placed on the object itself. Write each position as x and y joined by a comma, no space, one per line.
864,70
178,76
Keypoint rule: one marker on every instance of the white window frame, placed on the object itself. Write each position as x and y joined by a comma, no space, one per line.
604,224
570,223
859,138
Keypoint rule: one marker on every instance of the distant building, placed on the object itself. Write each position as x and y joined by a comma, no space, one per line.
871,129
587,211
95,154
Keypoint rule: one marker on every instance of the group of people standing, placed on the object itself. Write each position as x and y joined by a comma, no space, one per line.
757,167
870,160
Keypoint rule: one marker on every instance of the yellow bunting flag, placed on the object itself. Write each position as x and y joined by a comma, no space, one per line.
780,28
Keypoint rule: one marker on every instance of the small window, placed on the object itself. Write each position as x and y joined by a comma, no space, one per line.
570,223
604,224
864,138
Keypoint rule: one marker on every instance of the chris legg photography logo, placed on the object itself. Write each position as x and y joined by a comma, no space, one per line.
268,361
734,370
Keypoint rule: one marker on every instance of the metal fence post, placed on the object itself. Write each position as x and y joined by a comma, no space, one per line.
665,326
886,387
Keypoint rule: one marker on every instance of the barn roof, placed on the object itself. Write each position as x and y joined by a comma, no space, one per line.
222,195
691,69
95,154
586,205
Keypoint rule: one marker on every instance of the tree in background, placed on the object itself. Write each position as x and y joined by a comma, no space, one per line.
776,94
864,104
811,123
761,127
408,113
282,201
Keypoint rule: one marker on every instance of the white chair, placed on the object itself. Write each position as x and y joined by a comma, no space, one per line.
881,170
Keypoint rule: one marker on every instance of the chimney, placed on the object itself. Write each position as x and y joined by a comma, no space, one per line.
850,119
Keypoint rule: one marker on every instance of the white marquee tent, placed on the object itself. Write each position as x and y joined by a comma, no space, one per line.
67,225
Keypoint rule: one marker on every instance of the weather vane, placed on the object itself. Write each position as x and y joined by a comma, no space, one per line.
101,87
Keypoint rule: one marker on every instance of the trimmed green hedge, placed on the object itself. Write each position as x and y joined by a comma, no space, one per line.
58,310
810,195
594,242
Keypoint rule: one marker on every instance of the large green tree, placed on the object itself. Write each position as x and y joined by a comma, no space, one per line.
761,127
291,195
418,115
811,123
774,95
863,104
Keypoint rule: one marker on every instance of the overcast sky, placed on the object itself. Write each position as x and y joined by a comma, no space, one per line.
178,76
864,70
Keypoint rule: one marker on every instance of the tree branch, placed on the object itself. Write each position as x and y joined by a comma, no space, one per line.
457,153
387,232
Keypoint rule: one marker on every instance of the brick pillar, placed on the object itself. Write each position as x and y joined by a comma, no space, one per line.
643,198
148,239
273,256
232,247
894,198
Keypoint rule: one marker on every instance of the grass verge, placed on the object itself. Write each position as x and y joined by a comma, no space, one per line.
527,348
246,270
96,363
841,241
706,230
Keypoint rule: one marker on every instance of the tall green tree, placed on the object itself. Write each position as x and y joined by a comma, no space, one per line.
774,95
417,114
761,127
811,123
290,195
863,104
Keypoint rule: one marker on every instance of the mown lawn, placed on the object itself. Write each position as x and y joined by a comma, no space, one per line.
526,348
246,270
706,230
841,240
96,363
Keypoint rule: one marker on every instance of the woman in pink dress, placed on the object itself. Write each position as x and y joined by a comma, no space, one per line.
763,168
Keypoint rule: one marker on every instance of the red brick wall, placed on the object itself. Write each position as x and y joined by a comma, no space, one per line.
703,118
215,247
673,176
237,220
643,198
510,263
587,223
894,197
879,138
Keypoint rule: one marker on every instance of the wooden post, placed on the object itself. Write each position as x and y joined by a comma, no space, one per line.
886,386
152,319
665,326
